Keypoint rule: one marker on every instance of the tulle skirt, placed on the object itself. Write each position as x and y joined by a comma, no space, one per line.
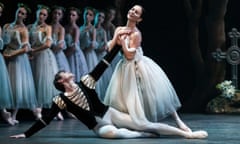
103,82
142,89
21,79
62,61
78,64
6,97
45,67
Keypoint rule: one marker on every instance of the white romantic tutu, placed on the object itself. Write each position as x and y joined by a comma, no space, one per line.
142,89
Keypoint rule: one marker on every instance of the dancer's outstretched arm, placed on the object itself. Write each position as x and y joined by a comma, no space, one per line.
40,124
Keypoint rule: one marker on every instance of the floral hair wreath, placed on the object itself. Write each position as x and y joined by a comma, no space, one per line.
41,6
22,5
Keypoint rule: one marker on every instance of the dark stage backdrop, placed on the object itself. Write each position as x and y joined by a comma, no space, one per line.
163,29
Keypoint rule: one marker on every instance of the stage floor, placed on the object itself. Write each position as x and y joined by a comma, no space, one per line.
222,129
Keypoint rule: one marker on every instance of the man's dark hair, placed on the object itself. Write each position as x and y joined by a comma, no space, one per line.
58,85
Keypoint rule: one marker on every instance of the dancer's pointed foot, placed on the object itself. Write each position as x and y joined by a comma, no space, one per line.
200,134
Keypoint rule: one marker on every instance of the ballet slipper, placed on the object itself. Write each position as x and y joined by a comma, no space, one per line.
200,134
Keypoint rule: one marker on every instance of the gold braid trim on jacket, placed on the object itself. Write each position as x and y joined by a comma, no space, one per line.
58,100
89,81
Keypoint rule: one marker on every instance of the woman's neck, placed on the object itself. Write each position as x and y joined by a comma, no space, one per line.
40,23
18,22
131,25
55,22
72,23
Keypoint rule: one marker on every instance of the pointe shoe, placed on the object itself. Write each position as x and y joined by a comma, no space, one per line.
200,134
7,117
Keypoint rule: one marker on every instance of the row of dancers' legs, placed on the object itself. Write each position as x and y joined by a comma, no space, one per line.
10,117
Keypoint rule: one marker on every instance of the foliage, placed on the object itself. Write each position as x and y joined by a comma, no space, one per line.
227,89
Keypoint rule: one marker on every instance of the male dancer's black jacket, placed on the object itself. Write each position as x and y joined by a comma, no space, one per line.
85,115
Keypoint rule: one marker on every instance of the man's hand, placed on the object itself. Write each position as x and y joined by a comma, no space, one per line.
18,136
